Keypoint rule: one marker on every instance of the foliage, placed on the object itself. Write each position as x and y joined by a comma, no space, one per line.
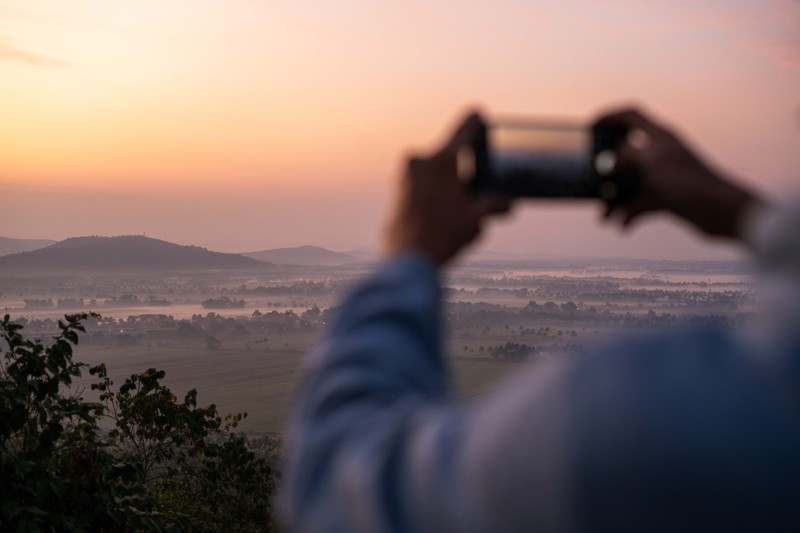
228,490
512,351
57,468
223,302
213,343
203,475
160,464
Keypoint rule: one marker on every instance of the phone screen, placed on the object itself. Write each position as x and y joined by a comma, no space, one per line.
541,160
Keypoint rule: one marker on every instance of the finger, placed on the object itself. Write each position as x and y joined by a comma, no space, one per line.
634,211
630,118
465,134
415,164
493,205
415,168
627,222
608,210
627,212
628,158
615,214
474,232
445,161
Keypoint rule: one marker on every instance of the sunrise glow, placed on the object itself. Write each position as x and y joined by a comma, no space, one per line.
291,118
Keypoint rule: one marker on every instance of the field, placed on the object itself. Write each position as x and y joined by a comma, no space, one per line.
249,358
235,378
259,381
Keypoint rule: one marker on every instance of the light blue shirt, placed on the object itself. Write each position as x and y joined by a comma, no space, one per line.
688,431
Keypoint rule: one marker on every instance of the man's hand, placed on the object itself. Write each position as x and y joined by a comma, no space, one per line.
672,178
435,215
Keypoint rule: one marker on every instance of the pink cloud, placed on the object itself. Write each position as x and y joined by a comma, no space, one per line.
784,54
8,53
772,27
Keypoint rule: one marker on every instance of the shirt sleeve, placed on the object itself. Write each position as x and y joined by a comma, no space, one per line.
377,368
376,445
773,233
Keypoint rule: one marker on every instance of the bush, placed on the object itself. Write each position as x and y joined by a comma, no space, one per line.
164,465
512,351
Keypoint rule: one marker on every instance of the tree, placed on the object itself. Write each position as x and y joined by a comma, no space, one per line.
58,470
164,464
213,343
569,307
223,302
201,473
512,351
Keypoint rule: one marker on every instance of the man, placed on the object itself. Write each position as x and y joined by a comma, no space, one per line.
697,430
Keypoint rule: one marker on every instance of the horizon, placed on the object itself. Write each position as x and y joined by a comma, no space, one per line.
362,253
248,126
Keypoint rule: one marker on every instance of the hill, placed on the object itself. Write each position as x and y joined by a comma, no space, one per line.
303,255
132,253
14,246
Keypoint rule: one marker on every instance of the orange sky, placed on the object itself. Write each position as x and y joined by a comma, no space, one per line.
249,124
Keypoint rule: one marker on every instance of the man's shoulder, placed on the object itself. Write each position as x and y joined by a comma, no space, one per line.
688,395
686,417
679,354
679,370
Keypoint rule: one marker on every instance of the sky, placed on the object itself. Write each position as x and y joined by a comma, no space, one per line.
243,125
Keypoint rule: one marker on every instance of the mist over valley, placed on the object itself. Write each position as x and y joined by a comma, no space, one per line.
237,327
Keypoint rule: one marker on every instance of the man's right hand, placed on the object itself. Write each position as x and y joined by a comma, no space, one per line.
435,215
672,178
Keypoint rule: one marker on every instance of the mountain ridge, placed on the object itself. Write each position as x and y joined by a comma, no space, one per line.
125,253
307,255
10,245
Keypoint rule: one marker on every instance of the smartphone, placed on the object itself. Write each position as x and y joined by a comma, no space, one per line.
547,159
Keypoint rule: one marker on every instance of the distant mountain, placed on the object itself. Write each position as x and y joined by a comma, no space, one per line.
492,256
14,246
364,255
303,255
131,253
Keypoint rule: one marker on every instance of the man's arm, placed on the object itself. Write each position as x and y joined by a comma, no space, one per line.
377,367
375,444
368,433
